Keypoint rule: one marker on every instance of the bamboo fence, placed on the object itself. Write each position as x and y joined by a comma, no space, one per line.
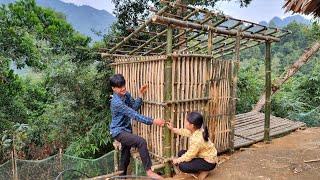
199,83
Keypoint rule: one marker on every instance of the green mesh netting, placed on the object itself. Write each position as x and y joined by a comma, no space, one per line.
50,167
72,167
6,170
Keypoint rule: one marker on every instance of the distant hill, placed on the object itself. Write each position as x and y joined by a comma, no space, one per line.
278,22
83,18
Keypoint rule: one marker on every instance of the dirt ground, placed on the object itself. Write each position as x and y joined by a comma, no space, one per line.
283,158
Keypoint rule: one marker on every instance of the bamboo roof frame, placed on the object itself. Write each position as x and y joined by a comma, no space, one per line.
196,24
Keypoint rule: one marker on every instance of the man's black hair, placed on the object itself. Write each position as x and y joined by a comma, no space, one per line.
117,80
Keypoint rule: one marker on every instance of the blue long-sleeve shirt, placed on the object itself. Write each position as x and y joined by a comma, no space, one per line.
123,109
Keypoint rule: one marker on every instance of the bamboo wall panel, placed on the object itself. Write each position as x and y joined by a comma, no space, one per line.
220,115
189,77
137,72
198,84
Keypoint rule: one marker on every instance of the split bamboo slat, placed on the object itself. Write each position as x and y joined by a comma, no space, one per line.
199,83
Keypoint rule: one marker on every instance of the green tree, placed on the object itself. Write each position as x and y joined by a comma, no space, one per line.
67,101
129,11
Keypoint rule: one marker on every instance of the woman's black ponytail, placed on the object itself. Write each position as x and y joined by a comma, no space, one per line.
196,119
205,133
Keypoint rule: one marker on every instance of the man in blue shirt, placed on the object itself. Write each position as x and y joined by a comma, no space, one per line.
123,109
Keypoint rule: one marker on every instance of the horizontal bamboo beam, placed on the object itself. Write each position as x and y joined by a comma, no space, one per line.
107,176
198,43
107,55
137,30
188,100
223,44
159,34
176,101
217,14
104,55
190,55
205,27
158,166
191,38
230,47
138,61
189,30
232,51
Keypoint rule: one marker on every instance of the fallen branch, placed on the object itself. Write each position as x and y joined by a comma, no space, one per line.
107,176
313,160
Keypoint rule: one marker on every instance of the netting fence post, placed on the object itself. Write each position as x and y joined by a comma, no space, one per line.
14,162
60,161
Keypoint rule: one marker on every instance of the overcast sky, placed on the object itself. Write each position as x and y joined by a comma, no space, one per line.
257,11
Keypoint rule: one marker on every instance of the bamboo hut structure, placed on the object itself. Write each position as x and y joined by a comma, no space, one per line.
190,62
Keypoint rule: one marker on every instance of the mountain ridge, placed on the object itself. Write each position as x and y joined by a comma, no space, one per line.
282,22
83,18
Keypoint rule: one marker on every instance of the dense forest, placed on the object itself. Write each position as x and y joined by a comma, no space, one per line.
64,101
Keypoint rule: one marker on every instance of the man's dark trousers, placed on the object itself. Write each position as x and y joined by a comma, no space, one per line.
127,141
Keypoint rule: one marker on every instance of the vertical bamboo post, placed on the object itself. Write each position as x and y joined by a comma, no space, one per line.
208,79
167,97
234,90
60,161
210,36
14,161
116,159
13,165
268,92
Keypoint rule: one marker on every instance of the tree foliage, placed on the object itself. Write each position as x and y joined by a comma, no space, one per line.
64,97
298,99
129,11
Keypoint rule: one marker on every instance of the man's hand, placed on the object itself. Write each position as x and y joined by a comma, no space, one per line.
143,90
175,161
159,122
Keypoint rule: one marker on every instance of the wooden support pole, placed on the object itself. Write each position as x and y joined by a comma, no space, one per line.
235,69
60,162
168,97
208,79
14,161
13,165
268,92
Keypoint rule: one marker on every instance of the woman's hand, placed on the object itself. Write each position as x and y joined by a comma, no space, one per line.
169,125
